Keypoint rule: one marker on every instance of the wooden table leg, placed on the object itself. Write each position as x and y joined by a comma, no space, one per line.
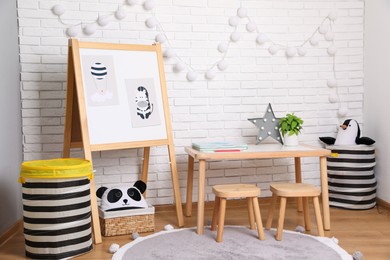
325,193
190,185
298,179
201,195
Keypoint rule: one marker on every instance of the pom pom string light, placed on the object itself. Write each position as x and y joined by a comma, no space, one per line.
324,30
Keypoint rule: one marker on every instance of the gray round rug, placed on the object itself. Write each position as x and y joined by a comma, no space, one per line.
238,243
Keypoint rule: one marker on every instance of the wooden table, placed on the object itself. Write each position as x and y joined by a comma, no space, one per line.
260,151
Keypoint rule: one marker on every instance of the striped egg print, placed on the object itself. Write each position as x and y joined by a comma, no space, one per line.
98,71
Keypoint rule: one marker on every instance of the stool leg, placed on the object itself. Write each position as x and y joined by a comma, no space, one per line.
214,221
250,213
282,212
221,219
317,212
306,213
259,222
271,211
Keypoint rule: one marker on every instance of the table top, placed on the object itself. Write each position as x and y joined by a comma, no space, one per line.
261,151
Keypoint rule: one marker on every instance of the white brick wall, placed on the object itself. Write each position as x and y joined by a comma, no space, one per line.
200,110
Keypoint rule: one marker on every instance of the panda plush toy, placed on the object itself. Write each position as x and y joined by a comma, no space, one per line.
122,197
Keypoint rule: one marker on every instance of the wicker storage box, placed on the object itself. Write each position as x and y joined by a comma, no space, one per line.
113,223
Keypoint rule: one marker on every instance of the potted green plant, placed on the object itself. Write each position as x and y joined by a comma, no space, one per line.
290,126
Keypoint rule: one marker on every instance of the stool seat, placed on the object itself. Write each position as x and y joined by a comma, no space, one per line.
226,191
294,190
236,190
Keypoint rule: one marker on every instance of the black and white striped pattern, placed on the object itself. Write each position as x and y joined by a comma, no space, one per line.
57,217
351,178
98,71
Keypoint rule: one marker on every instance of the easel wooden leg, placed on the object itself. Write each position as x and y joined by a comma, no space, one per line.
190,185
95,214
145,166
176,188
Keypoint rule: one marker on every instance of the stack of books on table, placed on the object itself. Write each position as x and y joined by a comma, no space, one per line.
219,147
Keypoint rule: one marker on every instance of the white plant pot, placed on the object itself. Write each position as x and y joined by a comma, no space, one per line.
290,140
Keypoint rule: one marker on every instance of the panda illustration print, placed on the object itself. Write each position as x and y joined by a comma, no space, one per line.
122,197
144,106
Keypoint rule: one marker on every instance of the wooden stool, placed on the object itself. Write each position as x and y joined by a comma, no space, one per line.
294,190
223,192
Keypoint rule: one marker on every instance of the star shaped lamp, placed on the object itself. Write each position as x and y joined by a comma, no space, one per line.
268,126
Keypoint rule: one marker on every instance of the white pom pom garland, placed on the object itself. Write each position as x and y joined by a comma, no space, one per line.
120,14
332,50
149,4
273,49
151,22
161,38
222,47
333,98
210,74
235,36
72,31
192,75
90,29
102,20
261,38
314,41
251,27
323,29
302,51
331,83
222,65
291,51
242,12
343,112
180,66
332,16
58,10
234,21
132,2
169,53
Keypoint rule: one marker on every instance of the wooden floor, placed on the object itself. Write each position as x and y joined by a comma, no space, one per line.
367,231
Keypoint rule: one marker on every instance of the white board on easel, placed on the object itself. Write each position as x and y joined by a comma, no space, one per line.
115,103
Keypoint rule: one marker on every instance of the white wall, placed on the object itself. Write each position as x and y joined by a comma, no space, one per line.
10,118
212,110
377,88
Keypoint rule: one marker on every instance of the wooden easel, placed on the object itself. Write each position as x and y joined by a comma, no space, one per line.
76,124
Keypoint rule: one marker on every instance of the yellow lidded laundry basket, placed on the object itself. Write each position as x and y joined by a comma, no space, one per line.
56,207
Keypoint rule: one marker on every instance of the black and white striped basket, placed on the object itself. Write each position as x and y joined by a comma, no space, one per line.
351,179
57,217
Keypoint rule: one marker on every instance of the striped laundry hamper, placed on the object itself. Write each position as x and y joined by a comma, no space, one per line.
351,179
56,208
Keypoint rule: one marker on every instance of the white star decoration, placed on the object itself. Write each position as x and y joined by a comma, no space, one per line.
268,126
